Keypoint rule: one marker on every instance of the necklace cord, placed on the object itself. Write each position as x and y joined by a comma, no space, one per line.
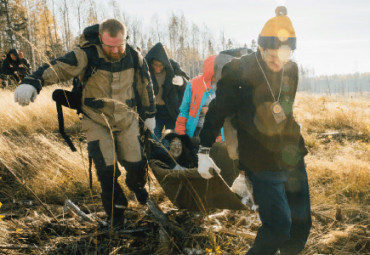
268,84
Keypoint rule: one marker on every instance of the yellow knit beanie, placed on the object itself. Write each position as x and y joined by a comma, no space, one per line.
278,31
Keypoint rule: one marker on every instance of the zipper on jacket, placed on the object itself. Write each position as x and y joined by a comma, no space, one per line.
195,100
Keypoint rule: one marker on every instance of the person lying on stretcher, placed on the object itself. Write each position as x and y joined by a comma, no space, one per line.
176,151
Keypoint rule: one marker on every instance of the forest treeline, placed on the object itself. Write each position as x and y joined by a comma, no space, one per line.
346,85
45,29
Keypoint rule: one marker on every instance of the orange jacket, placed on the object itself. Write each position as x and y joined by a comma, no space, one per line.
195,96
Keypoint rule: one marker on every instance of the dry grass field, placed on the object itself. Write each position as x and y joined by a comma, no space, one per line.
337,134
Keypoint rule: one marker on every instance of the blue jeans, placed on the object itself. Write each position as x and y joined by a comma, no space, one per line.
159,124
284,208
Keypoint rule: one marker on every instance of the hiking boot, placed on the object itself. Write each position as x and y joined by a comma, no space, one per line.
141,195
118,223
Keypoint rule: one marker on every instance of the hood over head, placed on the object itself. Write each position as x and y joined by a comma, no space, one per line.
188,157
13,51
208,69
158,52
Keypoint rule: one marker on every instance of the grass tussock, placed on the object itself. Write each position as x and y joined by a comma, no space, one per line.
336,131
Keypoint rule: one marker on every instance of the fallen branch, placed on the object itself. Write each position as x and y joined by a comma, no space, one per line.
131,231
164,221
167,227
17,246
321,217
70,205
248,235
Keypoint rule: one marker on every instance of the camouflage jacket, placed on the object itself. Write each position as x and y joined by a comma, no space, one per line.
113,91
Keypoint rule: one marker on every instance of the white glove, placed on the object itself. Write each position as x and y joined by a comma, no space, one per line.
149,123
25,94
243,188
177,80
205,163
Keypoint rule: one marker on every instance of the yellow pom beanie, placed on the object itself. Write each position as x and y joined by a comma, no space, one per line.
278,31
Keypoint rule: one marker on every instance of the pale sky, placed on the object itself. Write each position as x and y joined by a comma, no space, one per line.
333,36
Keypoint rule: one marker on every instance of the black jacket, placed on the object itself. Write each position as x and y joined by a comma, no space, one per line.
172,94
26,68
243,91
11,67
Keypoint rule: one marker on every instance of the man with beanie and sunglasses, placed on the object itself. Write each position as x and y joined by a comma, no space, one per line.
260,89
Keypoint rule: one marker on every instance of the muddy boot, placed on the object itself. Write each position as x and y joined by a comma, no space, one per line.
119,199
141,195
136,179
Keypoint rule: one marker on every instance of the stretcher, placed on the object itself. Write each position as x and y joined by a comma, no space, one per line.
186,189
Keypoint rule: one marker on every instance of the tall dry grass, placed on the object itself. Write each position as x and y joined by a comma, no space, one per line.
337,133
31,146
339,159
338,164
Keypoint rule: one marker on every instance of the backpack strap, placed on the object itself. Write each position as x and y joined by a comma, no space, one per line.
61,128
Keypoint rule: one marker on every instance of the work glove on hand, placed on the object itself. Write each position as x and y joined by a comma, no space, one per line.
243,188
205,163
25,94
177,80
149,123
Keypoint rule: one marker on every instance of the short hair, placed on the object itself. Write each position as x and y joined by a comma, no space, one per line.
113,27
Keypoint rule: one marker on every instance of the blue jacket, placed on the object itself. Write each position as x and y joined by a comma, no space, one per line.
190,109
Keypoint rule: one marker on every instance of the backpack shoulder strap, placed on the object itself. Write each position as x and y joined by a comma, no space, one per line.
92,62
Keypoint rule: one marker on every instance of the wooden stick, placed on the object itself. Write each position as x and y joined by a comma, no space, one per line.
321,217
16,246
165,224
248,235
163,220
70,205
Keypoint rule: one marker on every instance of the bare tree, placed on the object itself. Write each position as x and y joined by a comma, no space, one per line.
67,31
195,38
135,29
156,30
116,10
79,9
8,28
173,33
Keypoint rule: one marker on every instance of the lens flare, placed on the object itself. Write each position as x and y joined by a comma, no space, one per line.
291,155
283,35
285,53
